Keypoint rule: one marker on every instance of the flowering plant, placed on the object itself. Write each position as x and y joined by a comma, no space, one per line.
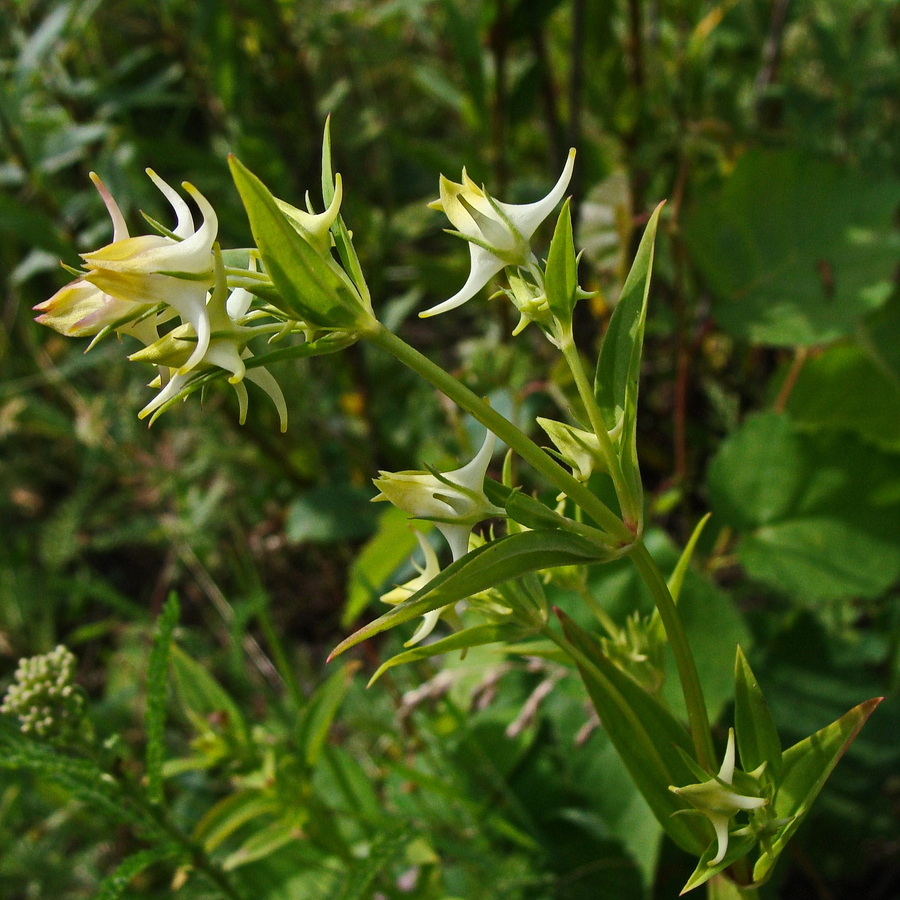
302,284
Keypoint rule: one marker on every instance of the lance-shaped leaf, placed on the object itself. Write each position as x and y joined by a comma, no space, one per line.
805,769
645,734
483,568
561,275
619,364
311,286
477,635
757,737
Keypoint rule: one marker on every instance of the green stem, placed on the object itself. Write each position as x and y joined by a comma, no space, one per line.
576,367
199,860
503,428
698,718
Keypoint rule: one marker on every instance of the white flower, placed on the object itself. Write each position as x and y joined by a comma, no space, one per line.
226,348
715,799
498,233
455,500
81,309
156,268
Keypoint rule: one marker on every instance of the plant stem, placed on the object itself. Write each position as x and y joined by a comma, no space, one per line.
698,718
613,464
199,860
503,428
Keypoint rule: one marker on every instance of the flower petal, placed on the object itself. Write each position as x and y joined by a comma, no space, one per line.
484,267
527,216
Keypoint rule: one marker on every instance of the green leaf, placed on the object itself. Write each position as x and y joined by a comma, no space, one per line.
476,636
320,711
806,767
561,274
157,668
619,365
483,568
848,388
84,780
310,285
230,813
757,737
738,847
266,841
819,513
203,696
118,882
795,249
645,734
676,579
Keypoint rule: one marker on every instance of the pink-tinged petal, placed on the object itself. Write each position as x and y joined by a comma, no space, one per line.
120,229
484,267
526,217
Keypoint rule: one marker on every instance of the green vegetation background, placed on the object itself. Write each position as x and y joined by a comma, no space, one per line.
771,395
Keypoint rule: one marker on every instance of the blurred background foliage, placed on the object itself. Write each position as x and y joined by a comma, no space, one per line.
771,395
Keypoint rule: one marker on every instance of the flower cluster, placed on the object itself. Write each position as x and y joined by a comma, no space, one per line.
44,696
176,281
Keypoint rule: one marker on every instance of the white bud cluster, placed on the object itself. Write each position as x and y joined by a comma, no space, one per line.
44,696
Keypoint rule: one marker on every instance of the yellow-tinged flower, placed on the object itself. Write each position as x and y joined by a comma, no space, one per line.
81,309
718,800
498,233
156,268
455,501
404,591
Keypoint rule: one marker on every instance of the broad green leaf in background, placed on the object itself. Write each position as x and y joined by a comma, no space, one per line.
847,389
795,249
232,812
819,514
331,513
